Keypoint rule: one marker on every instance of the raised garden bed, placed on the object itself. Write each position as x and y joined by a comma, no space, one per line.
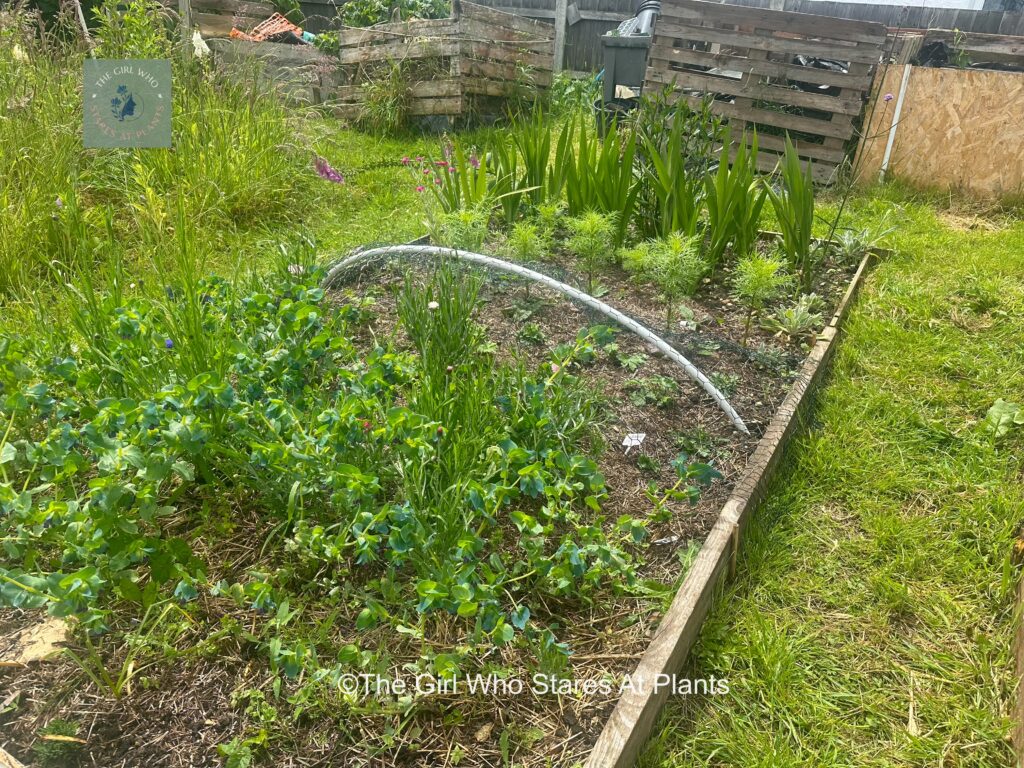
680,553
769,378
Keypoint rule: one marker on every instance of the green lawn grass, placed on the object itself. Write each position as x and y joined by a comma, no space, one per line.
871,622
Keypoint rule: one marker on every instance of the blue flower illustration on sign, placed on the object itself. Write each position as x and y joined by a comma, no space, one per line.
126,103
123,106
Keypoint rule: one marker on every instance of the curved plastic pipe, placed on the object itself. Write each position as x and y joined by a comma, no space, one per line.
566,290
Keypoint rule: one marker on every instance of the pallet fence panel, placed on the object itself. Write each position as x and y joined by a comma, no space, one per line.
458,66
745,57
588,20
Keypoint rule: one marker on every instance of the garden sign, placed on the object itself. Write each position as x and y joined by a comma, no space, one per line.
127,103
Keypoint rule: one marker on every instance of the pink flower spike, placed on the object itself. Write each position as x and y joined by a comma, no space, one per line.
420,188
888,97
555,367
437,181
405,161
426,171
324,171
442,163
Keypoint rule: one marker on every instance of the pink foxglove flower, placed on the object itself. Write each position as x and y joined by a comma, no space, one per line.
325,171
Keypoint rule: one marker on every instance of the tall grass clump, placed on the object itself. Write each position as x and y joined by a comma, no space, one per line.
40,156
237,156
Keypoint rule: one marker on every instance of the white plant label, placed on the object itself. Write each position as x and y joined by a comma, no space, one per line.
633,439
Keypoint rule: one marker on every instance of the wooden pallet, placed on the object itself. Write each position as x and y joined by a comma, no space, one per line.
745,57
456,64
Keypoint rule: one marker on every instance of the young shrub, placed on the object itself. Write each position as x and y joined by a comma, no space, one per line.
138,29
464,229
525,242
673,264
549,217
592,241
793,202
759,279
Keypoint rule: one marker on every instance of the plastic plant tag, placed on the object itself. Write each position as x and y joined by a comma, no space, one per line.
633,439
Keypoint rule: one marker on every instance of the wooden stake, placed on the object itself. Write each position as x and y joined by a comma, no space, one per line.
561,21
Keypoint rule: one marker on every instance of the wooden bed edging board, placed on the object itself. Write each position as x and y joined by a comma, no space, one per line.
626,732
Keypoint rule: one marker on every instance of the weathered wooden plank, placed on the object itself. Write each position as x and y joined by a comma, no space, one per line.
424,89
475,29
398,32
417,108
770,143
504,52
544,13
822,172
511,20
981,47
500,70
753,89
788,122
623,736
672,30
561,22
666,53
276,53
403,50
686,11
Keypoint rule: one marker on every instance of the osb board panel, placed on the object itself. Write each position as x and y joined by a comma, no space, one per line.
959,129
753,51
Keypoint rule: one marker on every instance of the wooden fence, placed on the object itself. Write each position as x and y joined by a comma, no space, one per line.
579,24
752,53
584,21
908,16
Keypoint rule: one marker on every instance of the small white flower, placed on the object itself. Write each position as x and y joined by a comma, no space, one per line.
19,53
433,305
132,286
